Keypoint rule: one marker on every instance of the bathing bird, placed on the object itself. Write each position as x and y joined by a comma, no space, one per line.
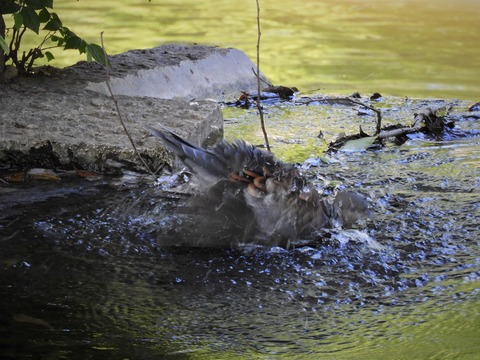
263,200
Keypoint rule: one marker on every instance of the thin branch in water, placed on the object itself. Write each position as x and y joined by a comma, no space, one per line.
259,106
378,112
107,75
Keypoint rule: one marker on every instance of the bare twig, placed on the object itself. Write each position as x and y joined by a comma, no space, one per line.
378,112
107,75
259,106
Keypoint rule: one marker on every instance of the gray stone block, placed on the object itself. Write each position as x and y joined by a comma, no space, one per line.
69,119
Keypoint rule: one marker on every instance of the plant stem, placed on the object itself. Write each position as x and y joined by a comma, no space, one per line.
107,75
259,106
2,34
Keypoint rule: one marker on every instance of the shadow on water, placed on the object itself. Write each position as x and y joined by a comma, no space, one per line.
83,275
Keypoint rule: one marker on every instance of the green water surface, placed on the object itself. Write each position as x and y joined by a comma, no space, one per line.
402,48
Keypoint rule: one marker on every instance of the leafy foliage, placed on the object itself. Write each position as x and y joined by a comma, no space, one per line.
36,16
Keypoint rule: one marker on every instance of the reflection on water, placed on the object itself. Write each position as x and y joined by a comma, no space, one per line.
403,48
83,275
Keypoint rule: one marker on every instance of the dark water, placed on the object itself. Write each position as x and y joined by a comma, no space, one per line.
83,275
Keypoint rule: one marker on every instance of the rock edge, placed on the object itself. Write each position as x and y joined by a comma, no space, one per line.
68,120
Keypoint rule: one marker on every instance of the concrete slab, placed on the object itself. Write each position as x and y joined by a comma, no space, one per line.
175,71
69,119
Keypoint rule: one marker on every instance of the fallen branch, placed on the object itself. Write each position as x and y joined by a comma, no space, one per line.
385,134
428,122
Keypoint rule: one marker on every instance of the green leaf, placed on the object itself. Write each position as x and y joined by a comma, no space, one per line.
31,3
96,52
69,33
73,43
83,48
359,144
44,15
30,19
8,7
4,46
35,4
18,19
54,24
49,56
60,40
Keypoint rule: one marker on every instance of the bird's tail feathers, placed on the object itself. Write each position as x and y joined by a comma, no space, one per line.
207,165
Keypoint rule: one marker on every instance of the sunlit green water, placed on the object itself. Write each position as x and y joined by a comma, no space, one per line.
403,48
